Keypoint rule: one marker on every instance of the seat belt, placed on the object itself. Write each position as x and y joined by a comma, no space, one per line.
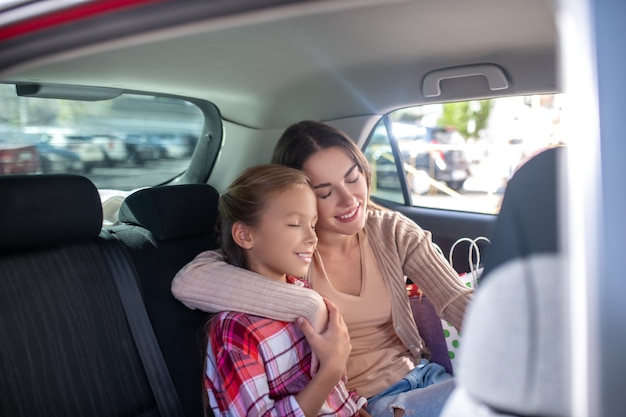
159,377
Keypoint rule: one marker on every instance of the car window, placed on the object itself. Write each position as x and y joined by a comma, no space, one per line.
122,144
459,156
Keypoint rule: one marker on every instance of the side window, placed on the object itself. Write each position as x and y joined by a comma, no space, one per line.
459,156
385,178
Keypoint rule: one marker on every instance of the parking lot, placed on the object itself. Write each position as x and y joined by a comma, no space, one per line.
125,177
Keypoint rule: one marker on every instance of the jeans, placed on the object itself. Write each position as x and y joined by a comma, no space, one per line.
422,392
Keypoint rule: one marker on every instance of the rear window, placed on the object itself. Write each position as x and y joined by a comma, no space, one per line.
122,144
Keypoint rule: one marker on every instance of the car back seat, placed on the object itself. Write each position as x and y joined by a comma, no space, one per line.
66,348
164,228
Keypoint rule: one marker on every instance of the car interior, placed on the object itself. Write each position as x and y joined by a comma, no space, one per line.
190,93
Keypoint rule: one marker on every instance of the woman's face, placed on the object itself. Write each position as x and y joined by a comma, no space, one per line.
341,191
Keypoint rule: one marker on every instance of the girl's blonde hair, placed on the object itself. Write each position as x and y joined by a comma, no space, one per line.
246,199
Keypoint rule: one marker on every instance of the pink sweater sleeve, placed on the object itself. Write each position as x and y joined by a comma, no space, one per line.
208,283
416,258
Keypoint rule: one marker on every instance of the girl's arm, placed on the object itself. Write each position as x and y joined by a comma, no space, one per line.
210,284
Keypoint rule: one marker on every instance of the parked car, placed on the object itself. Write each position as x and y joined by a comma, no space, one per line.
91,154
172,145
430,154
59,160
113,147
141,148
51,159
441,154
247,70
18,158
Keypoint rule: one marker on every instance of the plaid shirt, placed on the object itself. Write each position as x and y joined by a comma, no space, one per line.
256,366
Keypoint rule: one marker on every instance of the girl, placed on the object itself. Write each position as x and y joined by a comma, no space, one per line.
363,255
258,366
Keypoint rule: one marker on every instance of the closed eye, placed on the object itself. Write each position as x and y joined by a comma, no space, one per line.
356,177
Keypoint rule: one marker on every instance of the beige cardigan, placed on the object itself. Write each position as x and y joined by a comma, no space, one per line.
402,248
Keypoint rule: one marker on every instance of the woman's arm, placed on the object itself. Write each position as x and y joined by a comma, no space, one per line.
432,273
417,258
210,284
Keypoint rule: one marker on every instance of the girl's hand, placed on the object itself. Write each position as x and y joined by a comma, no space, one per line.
332,347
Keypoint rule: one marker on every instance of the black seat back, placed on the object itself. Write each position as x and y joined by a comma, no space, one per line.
164,228
65,346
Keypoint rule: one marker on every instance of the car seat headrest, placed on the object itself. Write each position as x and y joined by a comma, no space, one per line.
40,210
527,222
173,212
514,356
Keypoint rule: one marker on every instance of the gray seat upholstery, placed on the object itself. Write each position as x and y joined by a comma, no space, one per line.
514,357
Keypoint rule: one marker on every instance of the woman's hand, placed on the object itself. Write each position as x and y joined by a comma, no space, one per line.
332,346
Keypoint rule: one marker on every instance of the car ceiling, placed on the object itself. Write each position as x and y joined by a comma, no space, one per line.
312,60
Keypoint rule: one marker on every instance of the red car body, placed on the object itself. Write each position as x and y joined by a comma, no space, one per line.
19,159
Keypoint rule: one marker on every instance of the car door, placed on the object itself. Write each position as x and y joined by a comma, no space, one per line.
451,182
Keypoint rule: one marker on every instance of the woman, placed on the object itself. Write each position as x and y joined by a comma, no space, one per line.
363,255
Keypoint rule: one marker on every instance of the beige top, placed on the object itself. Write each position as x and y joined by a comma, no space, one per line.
400,247
378,358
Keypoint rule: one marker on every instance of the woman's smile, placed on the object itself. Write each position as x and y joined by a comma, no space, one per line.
350,215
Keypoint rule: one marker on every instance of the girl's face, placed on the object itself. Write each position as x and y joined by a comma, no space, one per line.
284,241
341,191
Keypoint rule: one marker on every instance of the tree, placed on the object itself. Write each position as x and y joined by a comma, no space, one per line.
467,117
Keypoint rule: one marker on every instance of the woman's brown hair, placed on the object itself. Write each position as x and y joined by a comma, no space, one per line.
303,139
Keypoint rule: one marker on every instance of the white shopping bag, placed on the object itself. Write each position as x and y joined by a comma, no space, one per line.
470,279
